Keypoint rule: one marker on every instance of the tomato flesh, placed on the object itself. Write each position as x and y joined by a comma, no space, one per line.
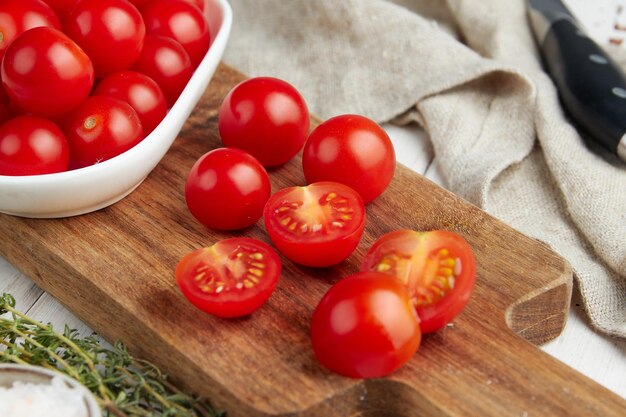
232,278
365,326
438,268
318,225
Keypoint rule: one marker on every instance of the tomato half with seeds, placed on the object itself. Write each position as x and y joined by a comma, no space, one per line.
232,278
365,326
317,225
438,268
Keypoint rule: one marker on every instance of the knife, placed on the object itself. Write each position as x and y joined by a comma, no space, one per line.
591,85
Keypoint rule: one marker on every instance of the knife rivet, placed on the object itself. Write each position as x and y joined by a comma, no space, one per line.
598,59
619,92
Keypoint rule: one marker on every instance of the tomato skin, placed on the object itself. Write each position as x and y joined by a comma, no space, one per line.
308,225
45,73
5,112
17,16
416,258
227,189
166,62
111,32
140,91
32,145
100,129
139,4
61,7
352,150
247,269
266,117
181,21
365,326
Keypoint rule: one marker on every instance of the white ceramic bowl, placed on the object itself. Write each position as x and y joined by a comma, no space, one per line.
91,188
10,373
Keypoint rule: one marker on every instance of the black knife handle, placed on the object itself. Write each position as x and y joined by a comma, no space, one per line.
591,85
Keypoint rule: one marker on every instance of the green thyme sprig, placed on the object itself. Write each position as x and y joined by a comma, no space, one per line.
123,385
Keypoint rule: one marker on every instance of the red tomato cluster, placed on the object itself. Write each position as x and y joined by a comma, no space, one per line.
86,80
368,324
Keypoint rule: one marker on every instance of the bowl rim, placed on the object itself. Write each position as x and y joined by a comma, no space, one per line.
93,408
175,113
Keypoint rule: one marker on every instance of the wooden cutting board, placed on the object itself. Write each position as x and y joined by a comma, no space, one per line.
115,269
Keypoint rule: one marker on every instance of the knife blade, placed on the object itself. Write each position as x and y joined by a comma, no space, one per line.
591,85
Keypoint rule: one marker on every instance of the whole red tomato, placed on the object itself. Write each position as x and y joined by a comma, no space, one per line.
352,150
318,225
101,128
111,32
181,21
32,145
45,73
17,16
437,267
227,189
365,326
140,91
166,62
232,278
266,117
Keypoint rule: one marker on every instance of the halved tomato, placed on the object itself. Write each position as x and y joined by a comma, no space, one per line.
232,278
317,225
437,267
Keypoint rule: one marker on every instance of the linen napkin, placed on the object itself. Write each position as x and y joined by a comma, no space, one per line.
469,72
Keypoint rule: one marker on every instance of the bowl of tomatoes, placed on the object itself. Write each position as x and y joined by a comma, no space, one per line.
61,129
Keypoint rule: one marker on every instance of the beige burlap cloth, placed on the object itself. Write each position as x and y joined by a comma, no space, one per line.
468,71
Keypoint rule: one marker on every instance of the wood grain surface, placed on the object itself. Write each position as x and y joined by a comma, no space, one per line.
114,269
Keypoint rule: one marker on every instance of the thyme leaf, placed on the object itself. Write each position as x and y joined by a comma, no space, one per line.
124,386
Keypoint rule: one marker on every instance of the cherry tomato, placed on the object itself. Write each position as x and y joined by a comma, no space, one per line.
17,16
140,91
32,145
101,128
61,7
318,225
365,326
226,189
181,21
266,117
111,32
437,267
166,62
232,278
45,73
352,150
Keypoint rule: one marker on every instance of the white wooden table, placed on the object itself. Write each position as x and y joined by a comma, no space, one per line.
601,358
